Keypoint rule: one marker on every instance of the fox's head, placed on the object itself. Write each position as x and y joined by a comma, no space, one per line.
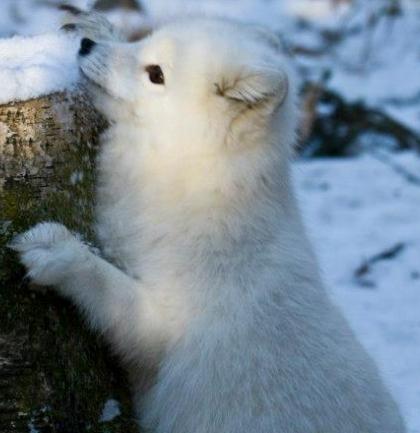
203,110
203,82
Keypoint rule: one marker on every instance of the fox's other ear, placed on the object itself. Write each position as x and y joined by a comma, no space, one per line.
256,85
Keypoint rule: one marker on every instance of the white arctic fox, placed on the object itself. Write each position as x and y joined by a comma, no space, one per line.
214,290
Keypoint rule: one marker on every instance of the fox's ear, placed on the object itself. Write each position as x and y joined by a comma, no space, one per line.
255,86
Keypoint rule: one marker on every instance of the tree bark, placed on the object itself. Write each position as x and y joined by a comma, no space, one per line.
55,376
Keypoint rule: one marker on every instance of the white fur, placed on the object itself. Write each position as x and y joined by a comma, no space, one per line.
217,290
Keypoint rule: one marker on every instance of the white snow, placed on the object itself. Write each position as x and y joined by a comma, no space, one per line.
32,429
252,11
355,209
35,66
380,66
110,411
32,17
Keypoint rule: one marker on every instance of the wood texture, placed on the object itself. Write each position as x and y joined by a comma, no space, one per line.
55,376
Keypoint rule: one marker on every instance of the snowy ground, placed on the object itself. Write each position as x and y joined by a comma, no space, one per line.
355,209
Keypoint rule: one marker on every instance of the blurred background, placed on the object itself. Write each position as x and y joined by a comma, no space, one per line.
357,171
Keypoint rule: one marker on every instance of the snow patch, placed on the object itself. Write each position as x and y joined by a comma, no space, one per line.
32,428
35,66
314,9
110,411
356,209
249,11
32,17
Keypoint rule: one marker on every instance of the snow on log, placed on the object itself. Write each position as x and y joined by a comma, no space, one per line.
35,66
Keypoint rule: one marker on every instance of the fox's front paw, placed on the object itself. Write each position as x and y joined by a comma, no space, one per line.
49,252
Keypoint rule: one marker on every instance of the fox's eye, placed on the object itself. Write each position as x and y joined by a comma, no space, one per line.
155,74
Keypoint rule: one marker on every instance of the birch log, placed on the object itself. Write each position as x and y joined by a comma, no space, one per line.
55,376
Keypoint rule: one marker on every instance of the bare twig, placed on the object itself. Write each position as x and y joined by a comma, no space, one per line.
365,268
397,168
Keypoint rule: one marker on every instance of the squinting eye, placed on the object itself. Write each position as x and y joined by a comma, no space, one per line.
155,74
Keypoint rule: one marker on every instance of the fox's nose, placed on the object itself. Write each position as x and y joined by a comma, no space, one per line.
86,46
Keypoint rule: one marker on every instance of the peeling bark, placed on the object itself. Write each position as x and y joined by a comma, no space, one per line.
55,376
